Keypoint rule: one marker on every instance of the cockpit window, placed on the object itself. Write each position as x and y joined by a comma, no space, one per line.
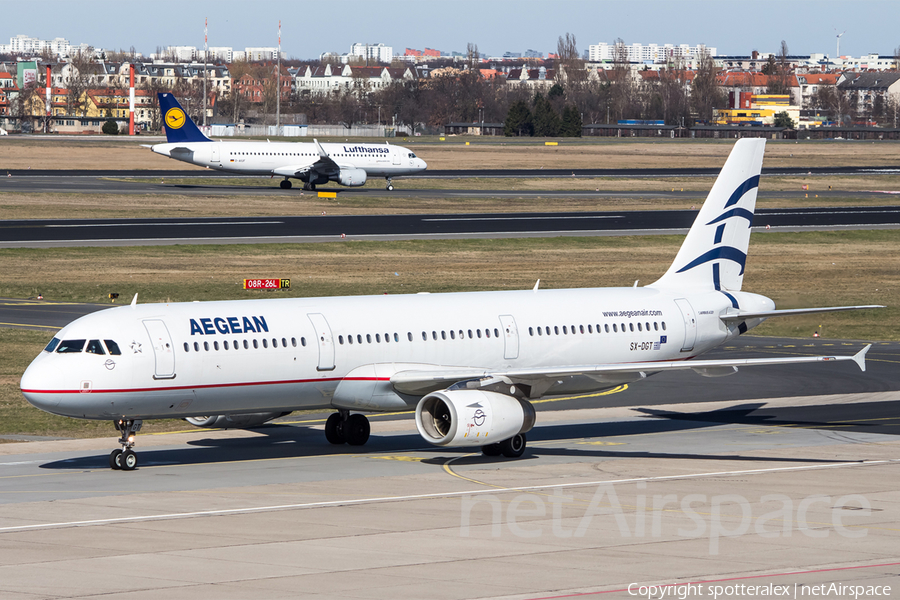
112,347
95,347
70,346
52,345
411,155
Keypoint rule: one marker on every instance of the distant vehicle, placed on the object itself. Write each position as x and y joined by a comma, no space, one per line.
312,163
470,363
3,132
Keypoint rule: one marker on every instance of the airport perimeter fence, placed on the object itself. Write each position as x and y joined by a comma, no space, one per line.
375,131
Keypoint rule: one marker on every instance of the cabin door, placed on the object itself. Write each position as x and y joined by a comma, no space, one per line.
690,324
163,351
215,153
395,154
510,337
324,341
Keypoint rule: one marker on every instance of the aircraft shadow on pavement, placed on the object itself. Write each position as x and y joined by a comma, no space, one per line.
287,441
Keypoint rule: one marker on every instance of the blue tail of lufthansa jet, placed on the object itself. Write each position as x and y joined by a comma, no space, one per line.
178,125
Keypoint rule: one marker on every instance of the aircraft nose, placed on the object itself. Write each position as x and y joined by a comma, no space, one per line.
34,387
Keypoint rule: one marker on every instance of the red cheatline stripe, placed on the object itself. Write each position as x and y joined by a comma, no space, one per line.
204,387
667,585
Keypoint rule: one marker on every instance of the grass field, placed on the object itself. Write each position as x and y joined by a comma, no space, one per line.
24,152
809,269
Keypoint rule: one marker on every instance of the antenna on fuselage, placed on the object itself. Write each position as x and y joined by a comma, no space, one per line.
134,300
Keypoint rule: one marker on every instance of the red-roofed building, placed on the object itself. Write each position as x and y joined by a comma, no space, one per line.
810,83
431,52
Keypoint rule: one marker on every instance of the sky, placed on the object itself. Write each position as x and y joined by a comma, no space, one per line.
311,27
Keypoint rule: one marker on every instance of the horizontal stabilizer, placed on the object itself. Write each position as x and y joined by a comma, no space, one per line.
741,316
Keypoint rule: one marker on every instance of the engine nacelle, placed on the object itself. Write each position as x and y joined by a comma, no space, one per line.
247,421
352,177
472,417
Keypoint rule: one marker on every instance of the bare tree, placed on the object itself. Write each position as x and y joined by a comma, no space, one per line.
570,65
706,94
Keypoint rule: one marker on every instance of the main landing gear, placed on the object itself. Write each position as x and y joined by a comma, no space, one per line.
344,428
125,459
390,184
286,184
514,447
309,187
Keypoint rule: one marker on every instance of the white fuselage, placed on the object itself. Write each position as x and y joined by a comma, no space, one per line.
188,359
264,158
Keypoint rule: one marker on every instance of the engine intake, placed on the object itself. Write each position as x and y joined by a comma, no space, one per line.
458,418
352,177
246,421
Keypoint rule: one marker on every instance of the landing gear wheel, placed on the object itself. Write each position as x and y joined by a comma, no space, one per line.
514,447
492,450
334,429
357,430
390,188
115,458
286,184
128,460
390,184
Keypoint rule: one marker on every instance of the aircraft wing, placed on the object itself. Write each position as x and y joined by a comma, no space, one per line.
422,382
323,165
742,315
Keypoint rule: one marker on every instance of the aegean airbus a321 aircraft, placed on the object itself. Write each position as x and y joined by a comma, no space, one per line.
470,363
313,164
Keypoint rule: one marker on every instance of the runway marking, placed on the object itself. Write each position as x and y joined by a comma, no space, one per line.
561,217
434,496
87,225
27,325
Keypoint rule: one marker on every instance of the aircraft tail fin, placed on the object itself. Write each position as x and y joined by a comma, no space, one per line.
714,252
178,125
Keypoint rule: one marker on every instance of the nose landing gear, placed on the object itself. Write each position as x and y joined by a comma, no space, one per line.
390,184
125,459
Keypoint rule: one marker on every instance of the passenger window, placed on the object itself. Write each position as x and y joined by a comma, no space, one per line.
631,326
94,347
496,332
443,335
265,343
664,325
470,334
639,327
590,330
452,335
409,335
255,344
531,331
358,339
274,342
397,337
378,337
655,326
615,329
478,333
434,335
294,342
68,346
206,346
487,333
216,346
196,347
540,331
246,345
52,345
186,347
606,327
647,326
341,340
556,329
225,344
565,329
424,337
112,347
581,328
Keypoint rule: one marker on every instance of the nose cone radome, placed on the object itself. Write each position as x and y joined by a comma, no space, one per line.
422,164
35,388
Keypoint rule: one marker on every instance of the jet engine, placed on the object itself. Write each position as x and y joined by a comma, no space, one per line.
247,421
352,177
472,417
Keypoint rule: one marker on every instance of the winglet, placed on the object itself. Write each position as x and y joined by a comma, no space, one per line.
860,358
321,150
134,303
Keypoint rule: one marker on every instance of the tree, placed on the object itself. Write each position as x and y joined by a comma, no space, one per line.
110,128
546,120
570,64
571,122
782,119
518,120
779,72
706,94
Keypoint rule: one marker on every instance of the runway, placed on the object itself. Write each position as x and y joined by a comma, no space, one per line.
603,500
42,233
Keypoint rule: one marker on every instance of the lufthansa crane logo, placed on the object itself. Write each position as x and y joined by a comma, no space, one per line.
175,118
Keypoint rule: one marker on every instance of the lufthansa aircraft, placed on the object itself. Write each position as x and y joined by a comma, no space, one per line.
468,362
313,164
